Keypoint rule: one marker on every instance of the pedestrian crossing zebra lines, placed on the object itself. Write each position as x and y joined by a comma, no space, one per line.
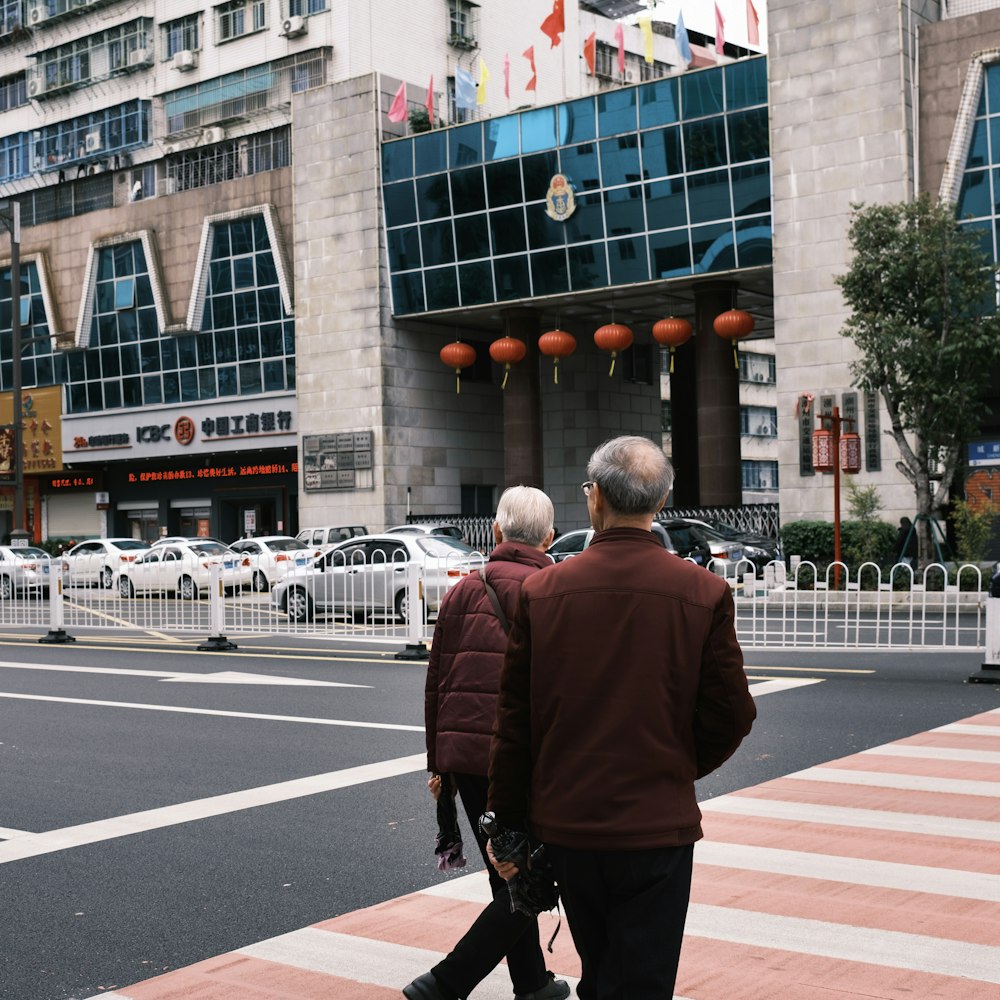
877,875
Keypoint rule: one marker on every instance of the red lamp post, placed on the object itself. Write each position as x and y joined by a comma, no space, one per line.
834,451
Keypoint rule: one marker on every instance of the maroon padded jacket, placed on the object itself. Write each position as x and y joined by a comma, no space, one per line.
463,675
623,683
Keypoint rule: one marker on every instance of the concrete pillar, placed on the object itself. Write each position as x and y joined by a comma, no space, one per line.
717,384
522,413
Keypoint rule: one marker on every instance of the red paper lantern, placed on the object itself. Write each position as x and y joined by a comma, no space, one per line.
850,453
507,351
733,325
672,332
556,344
613,337
823,457
458,356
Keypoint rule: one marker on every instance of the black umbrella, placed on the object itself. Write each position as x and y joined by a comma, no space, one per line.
448,846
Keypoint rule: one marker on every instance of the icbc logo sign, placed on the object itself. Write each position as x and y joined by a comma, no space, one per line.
184,430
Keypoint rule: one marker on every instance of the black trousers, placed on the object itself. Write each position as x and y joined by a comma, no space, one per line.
626,912
497,932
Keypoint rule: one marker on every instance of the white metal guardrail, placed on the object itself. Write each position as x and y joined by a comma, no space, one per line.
383,599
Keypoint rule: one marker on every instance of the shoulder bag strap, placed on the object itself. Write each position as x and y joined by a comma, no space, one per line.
495,601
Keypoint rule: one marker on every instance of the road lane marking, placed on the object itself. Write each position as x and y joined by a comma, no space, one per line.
36,844
6,833
773,684
349,723
967,730
812,670
220,677
902,782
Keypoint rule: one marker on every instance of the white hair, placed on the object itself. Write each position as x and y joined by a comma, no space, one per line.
525,514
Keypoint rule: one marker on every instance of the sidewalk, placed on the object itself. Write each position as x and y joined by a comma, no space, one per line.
877,875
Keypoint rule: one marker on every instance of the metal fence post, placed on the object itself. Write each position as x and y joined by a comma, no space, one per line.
989,673
217,641
56,633
414,649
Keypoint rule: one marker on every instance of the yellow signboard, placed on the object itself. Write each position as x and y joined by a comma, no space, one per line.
41,411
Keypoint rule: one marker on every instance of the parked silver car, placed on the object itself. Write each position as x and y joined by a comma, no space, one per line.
25,570
184,569
98,561
367,576
273,557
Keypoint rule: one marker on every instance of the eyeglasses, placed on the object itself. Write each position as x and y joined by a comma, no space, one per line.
588,486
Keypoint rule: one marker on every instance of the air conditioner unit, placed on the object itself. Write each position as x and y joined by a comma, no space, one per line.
138,57
184,60
36,87
758,377
292,27
38,15
212,135
92,142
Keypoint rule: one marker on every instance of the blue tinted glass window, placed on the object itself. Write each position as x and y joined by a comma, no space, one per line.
701,93
708,196
748,135
712,248
501,137
503,183
507,231
746,83
400,203
992,89
430,152
751,189
511,277
579,164
978,152
705,144
661,152
624,211
620,160
549,272
538,130
472,238
465,144
438,243
397,160
669,254
587,266
407,293
475,283
468,190
974,197
616,111
658,104
753,242
543,231
587,222
628,260
433,201
538,171
577,122
666,206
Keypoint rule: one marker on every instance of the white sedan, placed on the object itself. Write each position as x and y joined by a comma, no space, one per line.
24,569
273,557
184,569
98,561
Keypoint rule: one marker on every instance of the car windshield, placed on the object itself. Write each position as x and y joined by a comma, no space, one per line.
572,542
724,530
210,548
285,545
443,545
126,544
30,553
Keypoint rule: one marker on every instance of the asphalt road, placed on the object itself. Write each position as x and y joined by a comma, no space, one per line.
233,847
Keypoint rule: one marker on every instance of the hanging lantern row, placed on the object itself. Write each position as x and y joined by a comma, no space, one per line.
823,454
672,332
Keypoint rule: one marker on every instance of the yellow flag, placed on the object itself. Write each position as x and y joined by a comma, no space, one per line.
484,75
646,24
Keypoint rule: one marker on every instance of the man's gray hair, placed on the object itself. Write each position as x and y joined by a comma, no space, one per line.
633,473
525,515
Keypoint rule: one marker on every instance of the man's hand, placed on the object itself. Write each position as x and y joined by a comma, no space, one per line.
505,869
434,784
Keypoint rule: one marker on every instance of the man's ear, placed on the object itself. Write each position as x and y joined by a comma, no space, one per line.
548,539
497,533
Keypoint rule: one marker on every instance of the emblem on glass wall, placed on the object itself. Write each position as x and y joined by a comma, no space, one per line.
560,203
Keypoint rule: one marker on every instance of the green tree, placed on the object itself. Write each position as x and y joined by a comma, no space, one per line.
923,299
973,529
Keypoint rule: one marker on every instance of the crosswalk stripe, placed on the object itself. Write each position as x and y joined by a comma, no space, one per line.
903,782
935,753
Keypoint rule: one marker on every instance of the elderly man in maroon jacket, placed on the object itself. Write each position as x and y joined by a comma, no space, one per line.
623,683
463,677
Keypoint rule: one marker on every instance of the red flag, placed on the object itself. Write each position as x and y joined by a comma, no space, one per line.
620,39
720,31
397,112
753,24
506,74
430,101
589,51
529,54
555,24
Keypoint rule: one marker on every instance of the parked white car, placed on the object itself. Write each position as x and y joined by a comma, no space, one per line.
98,561
184,569
330,534
24,570
272,557
428,528
367,577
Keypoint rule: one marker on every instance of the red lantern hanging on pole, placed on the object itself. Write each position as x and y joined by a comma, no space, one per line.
823,456
734,324
613,337
672,332
458,356
850,452
556,344
507,351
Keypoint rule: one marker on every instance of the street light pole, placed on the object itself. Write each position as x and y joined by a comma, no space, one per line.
10,216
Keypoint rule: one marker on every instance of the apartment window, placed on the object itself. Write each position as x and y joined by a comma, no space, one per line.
757,367
455,113
302,8
759,421
653,71
241,17
759,475
462,18
13,92
181,35
11,15
605,60
227,160
40,363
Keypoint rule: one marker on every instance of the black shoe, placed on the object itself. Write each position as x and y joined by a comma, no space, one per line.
554,989
426,987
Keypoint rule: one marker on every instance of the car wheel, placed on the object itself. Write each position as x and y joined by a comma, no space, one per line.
403,607
298,605
260,584
6,588
125,587
187,589
107,578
